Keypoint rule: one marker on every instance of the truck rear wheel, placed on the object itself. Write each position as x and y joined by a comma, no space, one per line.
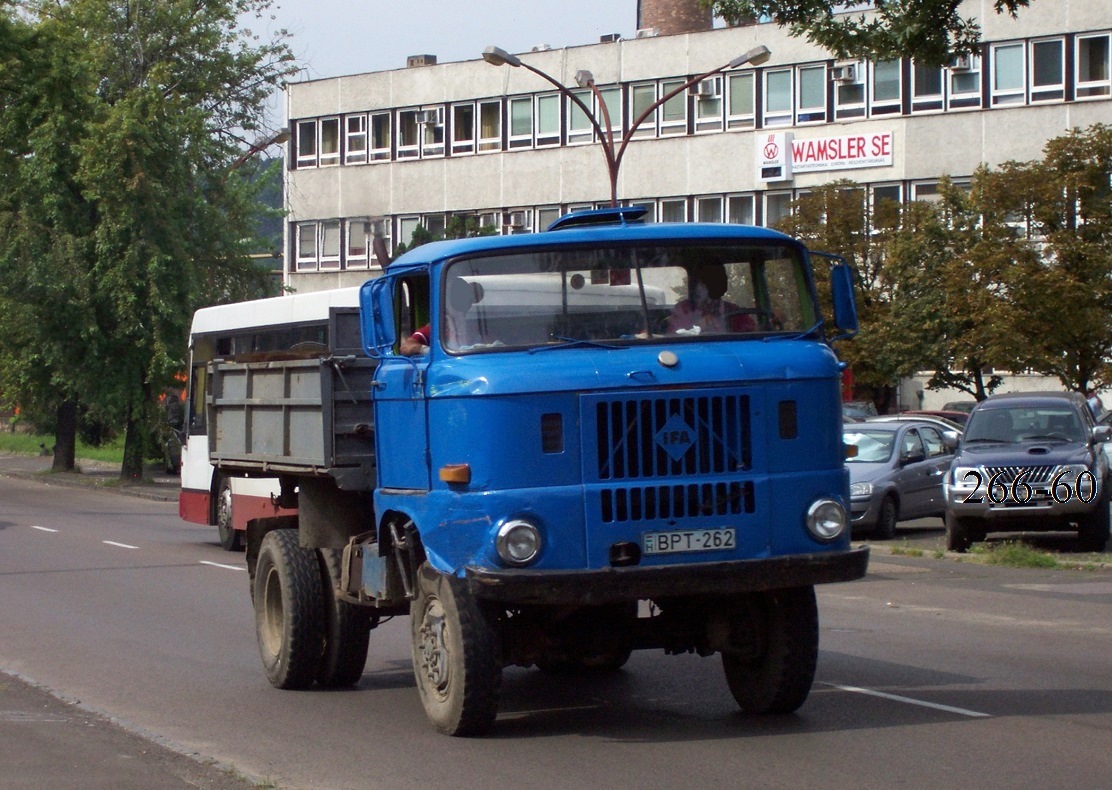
347,628
775,676
289,615
455,655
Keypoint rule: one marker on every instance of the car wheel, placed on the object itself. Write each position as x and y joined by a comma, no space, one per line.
960,533
886,520
1093,528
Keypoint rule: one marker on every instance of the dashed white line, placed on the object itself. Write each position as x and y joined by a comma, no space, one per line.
119,545
221,565
43,529
910,701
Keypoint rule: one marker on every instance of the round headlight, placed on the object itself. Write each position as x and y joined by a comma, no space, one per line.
519,542
826,519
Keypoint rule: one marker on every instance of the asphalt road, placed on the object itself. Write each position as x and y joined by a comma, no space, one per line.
932,673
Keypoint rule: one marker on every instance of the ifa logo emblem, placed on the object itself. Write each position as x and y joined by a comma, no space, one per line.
676,437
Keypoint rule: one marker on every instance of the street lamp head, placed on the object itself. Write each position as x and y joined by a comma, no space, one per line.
584,78
754,57
496,56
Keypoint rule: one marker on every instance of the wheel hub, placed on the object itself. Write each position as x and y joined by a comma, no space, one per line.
433,650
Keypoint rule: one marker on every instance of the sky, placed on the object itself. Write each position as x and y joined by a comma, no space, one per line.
336,37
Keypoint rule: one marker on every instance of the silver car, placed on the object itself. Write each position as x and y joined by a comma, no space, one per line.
896,471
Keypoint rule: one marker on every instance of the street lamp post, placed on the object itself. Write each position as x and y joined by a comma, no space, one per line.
584,79
279,137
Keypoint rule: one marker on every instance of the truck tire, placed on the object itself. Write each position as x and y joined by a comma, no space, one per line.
1093,528
456,656
231,539
347,628
289,615
776,677
886,519
960,533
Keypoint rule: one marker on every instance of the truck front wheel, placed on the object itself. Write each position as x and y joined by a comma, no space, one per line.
289,614
775,673
456,655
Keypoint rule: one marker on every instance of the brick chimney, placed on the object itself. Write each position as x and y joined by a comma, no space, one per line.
669,17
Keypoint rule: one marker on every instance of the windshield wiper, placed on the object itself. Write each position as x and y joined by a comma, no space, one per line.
570,342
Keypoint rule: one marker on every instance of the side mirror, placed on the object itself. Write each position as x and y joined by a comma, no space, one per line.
841,289
912,457
376,316
1102,433
950,440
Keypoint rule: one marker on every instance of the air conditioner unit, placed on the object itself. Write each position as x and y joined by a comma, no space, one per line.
648,32
844,73
431,117
517,219
706,89
962,62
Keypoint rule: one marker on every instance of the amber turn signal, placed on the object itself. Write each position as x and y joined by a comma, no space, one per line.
456,473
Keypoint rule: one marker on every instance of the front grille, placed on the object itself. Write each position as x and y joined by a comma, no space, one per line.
640,438
1032,474
675,502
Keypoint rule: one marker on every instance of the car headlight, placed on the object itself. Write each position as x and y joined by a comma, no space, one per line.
518,542
861,489
967,477
826,519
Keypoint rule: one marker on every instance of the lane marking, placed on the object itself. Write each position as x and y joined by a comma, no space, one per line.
43,529
221,565
120,545
910,701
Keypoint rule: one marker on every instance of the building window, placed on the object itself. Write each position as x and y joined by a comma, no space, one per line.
886,203
708,209
521,122
330,245
778,98
379,228
926,87
436,225
885,86
741,101
490,126
673,114
811,100
739,209
965,81
358,242
649,206
406,227
580,129
1093,66
355,141
1008,74
306,246
432,131
1048,69
548,119
641,97
463,128
673,210
329,141
708,105
380,136
849,91
408,135
546,215
610,107
777,207
306,143
517,221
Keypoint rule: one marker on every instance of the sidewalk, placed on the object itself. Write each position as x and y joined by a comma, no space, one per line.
50,741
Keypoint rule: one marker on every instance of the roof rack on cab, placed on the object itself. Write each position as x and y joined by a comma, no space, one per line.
613,215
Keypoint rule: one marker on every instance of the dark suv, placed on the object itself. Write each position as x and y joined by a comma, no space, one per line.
1029,461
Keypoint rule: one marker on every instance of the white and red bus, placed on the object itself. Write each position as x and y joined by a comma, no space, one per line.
309,323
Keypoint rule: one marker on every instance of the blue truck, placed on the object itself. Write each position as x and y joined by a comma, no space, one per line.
604,437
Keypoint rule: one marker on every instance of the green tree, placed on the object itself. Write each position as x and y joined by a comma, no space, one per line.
931,31
140,113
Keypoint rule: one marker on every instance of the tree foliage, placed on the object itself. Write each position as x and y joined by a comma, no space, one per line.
932,31
124,212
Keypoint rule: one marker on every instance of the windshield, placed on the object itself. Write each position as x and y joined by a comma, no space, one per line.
1025,423
873,446
624,295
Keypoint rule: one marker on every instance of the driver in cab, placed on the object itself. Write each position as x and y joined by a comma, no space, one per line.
705,311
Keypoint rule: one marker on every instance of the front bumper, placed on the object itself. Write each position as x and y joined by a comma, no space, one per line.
616,585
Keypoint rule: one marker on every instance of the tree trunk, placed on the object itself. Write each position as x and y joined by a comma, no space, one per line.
65,437
132,467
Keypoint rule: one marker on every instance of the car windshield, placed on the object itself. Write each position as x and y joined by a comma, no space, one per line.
1025,423
873,446
623,295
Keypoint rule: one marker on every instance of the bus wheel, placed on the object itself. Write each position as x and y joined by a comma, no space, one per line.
775,673
455,655
347,628
289,617
230,538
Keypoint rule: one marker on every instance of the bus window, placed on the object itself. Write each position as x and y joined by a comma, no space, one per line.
198,384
